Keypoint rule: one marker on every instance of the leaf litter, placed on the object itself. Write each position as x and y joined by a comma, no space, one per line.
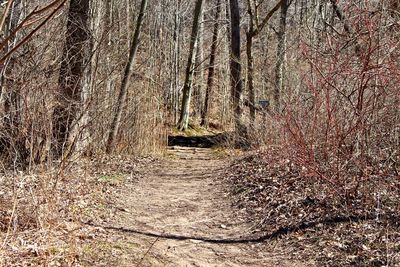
280,196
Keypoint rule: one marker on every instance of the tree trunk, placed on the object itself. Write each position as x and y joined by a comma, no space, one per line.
250,76
80,135
125,81
177,56
199,73
236,70
225,110
187,89
250,64
254,31
281,57
10,140
211,67
74,60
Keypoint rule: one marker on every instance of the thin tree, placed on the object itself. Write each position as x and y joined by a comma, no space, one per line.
199,71
10,99
175,86
187,88
211,66
255,27
125,81
281,55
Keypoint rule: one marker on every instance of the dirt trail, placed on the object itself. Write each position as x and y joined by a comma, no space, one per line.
178,214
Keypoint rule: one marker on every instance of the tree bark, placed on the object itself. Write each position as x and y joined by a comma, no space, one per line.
211,67
80,135
74,60
281,57
177,56
10,140
250,75
254,30
236,72
125,81
187,89
199,73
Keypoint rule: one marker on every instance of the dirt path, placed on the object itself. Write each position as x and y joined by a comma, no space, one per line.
179,215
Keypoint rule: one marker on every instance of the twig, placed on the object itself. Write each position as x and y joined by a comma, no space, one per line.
23,41
5,14
14,208
147,252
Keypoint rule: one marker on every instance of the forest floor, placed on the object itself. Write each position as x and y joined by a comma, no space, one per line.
179,213
196,206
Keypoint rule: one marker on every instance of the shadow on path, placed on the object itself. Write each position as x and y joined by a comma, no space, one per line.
206,141
276,234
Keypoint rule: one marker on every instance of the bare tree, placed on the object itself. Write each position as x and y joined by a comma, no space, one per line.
211,66
10,97
255,27
125,80
176,55
281,56
74,61
236,71
187,89
199,71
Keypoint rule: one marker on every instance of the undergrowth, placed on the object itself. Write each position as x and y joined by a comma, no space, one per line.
41,213
357,228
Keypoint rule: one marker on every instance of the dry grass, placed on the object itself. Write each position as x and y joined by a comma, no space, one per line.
41,213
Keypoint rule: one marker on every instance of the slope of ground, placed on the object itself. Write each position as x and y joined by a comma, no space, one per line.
321,225
193,208
179,214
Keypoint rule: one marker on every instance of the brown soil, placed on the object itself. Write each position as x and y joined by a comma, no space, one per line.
180,214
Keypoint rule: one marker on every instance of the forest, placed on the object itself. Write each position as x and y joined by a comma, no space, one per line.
199,133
